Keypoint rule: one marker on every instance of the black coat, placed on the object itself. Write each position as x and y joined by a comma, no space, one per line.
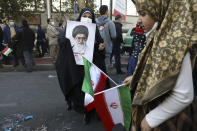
99,56
69,74
26,38
119,38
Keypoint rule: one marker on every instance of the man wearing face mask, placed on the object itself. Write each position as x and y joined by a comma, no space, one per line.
52,34
8,34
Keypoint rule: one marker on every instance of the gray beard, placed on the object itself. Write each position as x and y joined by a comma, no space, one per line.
79,48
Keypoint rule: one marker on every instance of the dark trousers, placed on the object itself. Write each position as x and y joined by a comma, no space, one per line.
43,50
116,53
131,65
29,61
131,68
18,54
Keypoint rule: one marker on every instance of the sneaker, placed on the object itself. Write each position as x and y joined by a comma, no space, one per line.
1,66
15,65
86,118
69,106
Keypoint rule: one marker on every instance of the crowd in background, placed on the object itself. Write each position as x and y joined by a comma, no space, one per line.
46,42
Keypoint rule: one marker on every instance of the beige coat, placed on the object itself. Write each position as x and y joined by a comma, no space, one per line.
52,34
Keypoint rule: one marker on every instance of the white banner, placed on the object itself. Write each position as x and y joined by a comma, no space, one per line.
120,8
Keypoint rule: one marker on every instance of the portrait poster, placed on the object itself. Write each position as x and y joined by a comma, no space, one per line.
82,37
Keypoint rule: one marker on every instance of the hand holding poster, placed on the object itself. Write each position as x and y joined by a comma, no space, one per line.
82,37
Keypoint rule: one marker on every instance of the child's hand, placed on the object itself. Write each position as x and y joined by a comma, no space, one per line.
127,81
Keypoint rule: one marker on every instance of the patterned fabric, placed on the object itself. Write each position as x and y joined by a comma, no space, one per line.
139,42
160,62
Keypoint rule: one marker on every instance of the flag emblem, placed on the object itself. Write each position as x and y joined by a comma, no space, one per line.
114,105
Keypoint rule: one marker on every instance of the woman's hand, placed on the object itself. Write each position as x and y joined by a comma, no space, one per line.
127,81
145,126
101,46
133,128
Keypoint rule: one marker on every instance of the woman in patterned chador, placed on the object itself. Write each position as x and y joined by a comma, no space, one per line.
164,98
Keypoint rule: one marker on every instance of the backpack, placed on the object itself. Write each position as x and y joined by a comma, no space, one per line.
102,30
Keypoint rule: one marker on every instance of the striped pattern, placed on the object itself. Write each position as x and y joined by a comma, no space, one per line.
94,81
7,51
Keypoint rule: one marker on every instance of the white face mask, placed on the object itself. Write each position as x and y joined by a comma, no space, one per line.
52,23
11,23
86,20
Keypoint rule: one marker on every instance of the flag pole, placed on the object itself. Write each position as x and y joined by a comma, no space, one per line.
102,72
109,89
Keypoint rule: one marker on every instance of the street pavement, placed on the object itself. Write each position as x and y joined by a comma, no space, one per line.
38,95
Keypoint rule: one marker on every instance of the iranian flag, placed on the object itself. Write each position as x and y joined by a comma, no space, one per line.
114,106
94,81
7,51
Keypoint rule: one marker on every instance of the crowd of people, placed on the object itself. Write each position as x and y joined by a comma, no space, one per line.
161,70
21,39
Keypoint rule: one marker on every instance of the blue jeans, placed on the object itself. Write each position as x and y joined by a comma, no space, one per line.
131,65
116,53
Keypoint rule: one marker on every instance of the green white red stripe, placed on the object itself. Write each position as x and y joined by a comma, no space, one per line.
94,81
7,51
114,107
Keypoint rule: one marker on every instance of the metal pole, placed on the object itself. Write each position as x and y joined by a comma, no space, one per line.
48,8
60,5
111,8
126,7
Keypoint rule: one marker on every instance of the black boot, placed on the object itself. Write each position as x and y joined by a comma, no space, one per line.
86,118
15,64
69,105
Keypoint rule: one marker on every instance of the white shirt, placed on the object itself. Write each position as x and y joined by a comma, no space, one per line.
182,95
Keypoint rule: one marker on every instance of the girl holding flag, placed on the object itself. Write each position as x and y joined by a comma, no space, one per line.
163,76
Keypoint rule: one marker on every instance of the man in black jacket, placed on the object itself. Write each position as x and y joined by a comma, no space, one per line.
117,43
27,37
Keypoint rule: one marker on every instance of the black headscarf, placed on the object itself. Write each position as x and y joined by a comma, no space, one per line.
84,10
